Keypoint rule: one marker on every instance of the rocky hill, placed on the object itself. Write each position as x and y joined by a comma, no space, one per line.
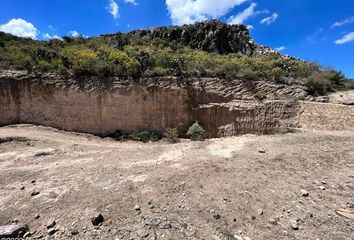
203,50
213,36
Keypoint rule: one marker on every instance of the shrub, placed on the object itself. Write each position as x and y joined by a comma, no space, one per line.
171,134
196,132
144,136
317,84
83,60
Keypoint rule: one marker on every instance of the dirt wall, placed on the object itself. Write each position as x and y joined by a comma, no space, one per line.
128,106
326,116
73,109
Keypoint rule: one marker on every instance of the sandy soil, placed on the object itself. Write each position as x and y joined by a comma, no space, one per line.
340,97
246,187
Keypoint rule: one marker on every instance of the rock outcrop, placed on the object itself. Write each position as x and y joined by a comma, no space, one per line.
211,36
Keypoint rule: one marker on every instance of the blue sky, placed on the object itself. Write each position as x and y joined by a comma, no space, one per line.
316,30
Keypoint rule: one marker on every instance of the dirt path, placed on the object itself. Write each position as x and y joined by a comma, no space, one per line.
191,190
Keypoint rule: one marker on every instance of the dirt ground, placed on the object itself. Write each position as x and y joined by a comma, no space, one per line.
247,187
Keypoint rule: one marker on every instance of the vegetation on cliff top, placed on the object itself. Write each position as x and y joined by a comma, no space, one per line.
163,52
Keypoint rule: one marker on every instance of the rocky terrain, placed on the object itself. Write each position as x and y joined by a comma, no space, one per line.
212,36
70,185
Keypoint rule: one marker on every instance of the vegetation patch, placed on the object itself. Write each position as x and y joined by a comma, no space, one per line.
171,135
136,55
196,132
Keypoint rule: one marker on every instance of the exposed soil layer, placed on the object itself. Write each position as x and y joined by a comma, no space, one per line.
104,106
249,186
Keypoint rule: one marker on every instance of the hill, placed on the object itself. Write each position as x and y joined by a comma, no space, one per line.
208,49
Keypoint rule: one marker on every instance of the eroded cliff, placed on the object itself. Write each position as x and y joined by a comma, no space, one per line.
105,106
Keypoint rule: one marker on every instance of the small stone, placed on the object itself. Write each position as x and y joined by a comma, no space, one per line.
51,223
262,151
35,193
322,188
273,221
304,193
97,219
36,216
22,188
216,216
143,233
26,235
183,194
52,231
33,181
260,211
237,237
308,215
137,208
294,225
74,232
15,221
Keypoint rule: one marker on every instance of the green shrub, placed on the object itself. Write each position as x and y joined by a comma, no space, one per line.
133,56
171,134
317,84
196,132
144,136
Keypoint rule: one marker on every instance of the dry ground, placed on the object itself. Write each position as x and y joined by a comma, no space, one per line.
217,189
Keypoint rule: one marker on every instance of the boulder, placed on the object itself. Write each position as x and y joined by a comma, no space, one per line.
13,231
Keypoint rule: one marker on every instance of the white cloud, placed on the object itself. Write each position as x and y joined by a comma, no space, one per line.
313,38
131,1
20,28
269,20
345,21
250,27
281,48
113,9
74,34
246,14
346,38
48,36
190,11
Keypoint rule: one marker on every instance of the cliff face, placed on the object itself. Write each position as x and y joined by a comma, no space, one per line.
223,108
128,106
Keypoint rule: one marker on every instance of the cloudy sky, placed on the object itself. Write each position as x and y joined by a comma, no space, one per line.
316,30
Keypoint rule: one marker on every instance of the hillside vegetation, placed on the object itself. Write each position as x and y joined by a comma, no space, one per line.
186,51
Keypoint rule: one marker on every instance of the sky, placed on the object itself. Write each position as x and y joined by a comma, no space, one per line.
313,30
